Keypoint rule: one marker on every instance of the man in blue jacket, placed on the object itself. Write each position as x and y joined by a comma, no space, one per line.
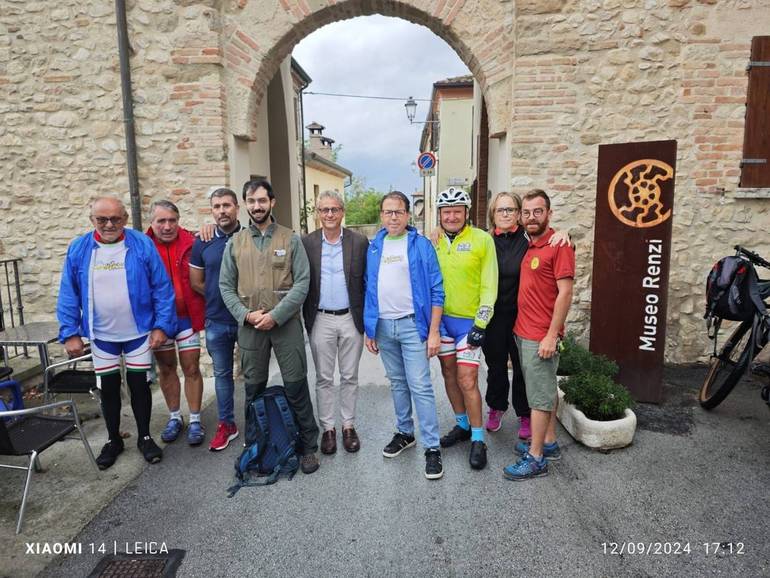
402,313
115,292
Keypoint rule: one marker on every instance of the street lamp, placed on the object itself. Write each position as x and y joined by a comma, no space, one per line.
411,110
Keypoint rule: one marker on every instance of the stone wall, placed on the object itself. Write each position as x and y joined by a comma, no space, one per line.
612,71
558,76
61,135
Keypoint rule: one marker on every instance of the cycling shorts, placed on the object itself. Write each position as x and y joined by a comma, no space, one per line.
454,340
185,338
106,355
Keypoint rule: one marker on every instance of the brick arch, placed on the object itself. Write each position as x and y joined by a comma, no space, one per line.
258,36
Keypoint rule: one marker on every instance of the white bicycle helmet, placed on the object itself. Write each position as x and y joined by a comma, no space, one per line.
453,197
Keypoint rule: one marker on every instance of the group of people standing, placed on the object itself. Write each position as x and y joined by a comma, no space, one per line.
403,296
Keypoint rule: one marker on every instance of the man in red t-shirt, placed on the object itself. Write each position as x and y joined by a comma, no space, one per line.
545,295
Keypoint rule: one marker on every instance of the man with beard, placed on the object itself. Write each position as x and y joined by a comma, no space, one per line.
264,280
221,327
545,295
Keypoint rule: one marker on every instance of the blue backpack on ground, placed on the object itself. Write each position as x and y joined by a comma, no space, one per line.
271,441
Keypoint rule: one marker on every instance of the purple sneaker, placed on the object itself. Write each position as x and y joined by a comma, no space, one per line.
494,421
524,428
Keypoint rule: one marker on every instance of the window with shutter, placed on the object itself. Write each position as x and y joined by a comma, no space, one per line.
755,166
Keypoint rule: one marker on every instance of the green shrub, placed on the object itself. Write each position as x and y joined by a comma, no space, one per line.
574,358
600,365
597,395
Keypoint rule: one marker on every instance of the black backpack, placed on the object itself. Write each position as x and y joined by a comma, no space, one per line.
272,437
732,290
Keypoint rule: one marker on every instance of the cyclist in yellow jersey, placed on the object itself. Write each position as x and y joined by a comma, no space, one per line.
468,263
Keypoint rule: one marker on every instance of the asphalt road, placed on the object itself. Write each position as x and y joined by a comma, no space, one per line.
692,480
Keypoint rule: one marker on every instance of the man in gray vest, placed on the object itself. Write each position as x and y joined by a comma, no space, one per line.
334,317
264,281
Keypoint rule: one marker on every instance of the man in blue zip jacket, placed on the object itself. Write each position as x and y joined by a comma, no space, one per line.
402,313
115,292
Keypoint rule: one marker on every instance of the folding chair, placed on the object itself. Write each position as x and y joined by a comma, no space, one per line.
31,432
70,381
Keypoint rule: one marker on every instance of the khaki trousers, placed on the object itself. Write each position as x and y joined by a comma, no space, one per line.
334,338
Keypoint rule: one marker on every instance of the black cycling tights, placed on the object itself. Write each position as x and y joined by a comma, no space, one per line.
141,402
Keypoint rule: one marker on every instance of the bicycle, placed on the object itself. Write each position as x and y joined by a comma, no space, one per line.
745,340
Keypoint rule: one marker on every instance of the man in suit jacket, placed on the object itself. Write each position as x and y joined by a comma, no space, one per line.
333,314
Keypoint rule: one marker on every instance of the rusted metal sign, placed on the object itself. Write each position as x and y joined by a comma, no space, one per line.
632,247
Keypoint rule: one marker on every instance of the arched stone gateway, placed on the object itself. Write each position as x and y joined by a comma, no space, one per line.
258,35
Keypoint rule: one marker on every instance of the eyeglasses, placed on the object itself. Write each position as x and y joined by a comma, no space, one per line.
330,211
112,220
395,213
534,212
506,210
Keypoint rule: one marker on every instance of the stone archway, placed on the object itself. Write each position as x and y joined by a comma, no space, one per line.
257,36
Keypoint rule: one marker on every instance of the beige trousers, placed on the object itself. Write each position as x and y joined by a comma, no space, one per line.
335,339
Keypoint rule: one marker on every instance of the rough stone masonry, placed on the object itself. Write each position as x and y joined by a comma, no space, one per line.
558,78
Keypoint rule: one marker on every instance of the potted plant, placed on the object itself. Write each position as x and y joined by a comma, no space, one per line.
593,407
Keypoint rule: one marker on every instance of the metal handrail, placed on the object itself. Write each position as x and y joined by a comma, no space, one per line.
10,284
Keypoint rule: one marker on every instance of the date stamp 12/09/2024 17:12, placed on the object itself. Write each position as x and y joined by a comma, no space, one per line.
673,548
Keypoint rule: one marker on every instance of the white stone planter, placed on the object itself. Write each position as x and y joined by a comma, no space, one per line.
600,435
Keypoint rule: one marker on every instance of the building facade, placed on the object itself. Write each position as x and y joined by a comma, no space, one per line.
557,78
322,172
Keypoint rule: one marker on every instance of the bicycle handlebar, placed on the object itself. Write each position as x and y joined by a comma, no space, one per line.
752,256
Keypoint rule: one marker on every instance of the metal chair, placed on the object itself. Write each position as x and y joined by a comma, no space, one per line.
31,433
71,381
5,372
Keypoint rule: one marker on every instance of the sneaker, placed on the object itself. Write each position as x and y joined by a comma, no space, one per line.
527,467
150,450
525,431
196,433
226,432
109,453
457,434
478,455
398,444
433,467
494,421
172,431
309,463
551,452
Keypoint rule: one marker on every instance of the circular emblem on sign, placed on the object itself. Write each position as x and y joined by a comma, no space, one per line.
535,263
635,196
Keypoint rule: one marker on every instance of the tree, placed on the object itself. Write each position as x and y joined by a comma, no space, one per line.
362,205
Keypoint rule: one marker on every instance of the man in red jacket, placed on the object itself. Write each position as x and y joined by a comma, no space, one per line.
175,245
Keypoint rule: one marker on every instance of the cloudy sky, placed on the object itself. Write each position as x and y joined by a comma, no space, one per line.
379,56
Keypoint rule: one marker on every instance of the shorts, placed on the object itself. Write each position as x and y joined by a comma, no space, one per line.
185,338
454,341
539,375
106,355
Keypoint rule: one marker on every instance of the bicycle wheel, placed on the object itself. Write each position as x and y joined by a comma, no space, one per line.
727,367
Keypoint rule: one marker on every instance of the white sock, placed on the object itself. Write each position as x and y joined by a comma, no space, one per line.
175,415
195,417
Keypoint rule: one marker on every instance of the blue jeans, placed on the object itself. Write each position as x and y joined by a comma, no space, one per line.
408,368
220,343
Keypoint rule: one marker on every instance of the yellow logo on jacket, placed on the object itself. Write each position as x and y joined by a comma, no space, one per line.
535,263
